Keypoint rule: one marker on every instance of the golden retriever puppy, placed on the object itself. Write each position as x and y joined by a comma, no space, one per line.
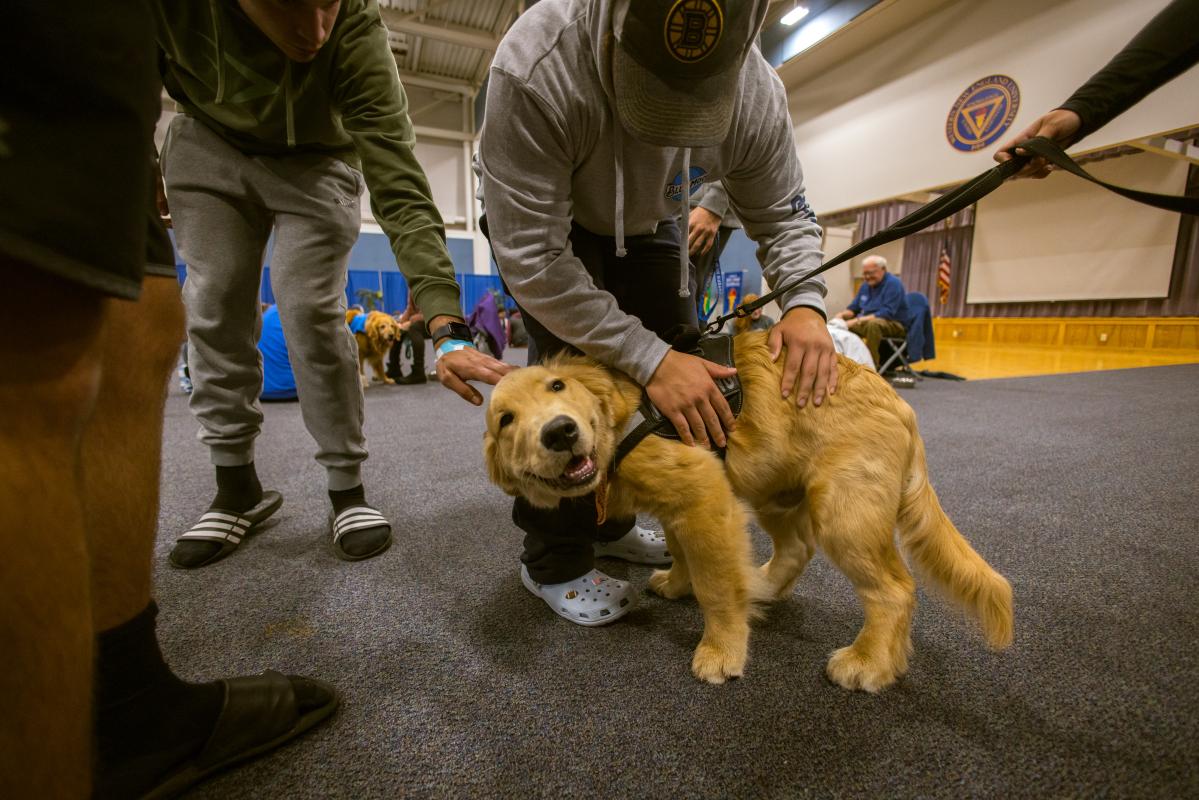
842,477
375,339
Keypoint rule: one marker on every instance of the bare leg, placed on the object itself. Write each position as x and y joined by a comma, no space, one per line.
49,377
122,448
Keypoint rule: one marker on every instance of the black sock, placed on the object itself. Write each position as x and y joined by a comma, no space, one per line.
363,542
347,498
237,488
147,720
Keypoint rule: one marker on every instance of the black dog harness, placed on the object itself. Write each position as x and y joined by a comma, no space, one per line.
714,347
718,347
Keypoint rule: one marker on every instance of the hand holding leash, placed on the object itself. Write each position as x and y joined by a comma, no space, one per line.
1058,126
683,388
810,355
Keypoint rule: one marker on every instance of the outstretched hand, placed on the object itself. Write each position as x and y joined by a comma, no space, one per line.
810,355
456,368
1058,126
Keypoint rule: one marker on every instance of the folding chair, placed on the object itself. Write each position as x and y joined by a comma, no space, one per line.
917,327
899,352
907,376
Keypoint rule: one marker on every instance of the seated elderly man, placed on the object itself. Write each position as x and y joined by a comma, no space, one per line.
880,308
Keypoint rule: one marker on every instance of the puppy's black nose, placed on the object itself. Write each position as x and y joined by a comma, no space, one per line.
560,433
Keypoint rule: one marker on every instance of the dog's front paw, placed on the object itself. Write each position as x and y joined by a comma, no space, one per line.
849,669
669,584
365,381
388,381
716,664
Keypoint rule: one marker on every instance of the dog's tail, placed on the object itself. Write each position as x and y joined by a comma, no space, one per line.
943,555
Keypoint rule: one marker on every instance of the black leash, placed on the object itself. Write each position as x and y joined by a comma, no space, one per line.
718,348
966,195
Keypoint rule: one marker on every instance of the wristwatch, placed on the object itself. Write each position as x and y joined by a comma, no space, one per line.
452,330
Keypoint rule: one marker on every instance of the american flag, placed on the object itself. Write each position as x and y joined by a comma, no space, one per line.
943,268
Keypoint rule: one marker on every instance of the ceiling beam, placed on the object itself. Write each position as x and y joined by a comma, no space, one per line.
426,132
439,83
446,32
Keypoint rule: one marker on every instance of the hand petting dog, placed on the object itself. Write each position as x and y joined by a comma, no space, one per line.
810,355
456,368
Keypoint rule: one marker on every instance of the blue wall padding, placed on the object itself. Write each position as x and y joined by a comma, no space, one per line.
740,256
373,266
395,292
361,279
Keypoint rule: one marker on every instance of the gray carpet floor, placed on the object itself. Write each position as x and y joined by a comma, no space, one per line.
455,682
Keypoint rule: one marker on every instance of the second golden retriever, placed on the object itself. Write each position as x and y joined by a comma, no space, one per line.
841,477
374,341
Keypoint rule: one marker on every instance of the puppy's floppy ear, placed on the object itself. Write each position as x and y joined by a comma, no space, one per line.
495,470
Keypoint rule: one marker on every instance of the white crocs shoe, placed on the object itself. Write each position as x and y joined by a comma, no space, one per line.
640,545
593,599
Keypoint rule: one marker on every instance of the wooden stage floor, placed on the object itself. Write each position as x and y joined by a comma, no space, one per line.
981,361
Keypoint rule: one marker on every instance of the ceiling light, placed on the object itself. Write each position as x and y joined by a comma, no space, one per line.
794,15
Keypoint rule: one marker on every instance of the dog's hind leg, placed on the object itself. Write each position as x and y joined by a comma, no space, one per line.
675,582
854,525
791,533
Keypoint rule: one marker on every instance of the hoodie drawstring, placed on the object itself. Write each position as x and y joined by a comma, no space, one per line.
684,203
220,59
685,219
618,154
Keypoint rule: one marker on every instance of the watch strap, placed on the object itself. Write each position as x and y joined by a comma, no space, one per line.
452,330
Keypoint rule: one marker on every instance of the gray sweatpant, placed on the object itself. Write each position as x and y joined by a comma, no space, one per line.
225,204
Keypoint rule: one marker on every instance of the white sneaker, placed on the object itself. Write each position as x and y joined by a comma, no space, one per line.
591,600
640,545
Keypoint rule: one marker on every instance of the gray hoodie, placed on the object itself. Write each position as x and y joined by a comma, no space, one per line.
714,198
552,150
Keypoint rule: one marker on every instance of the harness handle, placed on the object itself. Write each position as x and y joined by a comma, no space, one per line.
965,195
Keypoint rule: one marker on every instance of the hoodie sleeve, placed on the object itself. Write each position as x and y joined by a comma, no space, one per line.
374,113
766,192
714,199
526,169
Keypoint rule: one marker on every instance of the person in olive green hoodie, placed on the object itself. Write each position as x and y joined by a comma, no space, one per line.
286,108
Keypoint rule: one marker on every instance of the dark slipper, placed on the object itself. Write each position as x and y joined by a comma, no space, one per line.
359,532
260,713
226,529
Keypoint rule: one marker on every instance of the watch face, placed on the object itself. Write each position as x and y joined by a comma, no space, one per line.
454,330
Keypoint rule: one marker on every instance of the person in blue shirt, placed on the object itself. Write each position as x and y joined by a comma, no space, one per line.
880,308
278,381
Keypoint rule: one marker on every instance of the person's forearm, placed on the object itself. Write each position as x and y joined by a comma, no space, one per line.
442,319
1161,51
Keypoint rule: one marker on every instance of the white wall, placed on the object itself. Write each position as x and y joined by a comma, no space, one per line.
442,161
873,127
1065,239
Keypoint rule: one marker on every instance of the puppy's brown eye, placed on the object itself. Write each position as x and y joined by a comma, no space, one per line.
557,386
506,419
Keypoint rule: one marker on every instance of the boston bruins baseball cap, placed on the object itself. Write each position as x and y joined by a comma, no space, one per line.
677,65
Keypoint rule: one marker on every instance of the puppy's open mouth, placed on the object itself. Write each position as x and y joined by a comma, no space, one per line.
578,472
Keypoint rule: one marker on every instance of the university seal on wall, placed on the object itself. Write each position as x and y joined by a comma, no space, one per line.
982,113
